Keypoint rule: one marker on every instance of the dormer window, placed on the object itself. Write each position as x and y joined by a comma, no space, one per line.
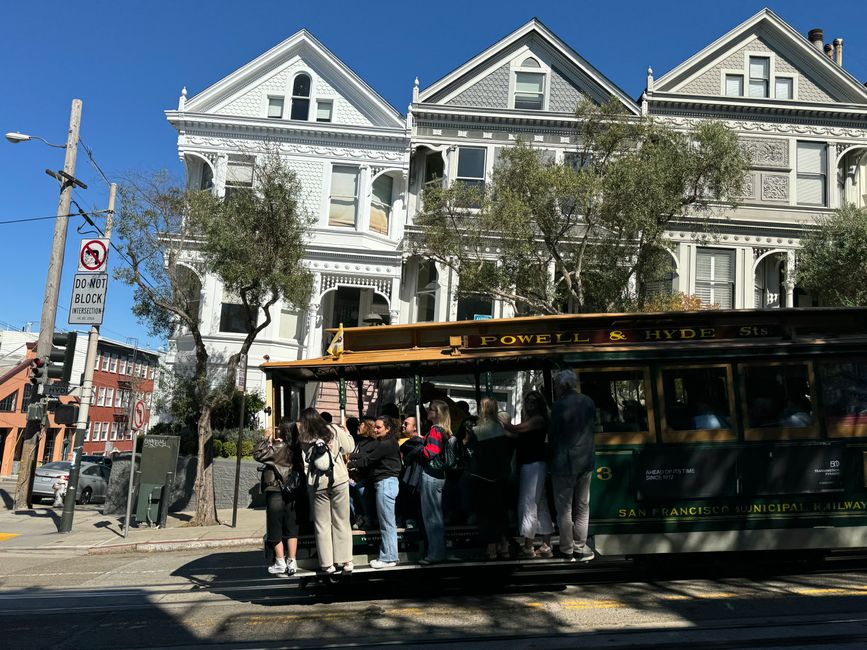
300,98
324,109
734,85
760,75
529,86
784,88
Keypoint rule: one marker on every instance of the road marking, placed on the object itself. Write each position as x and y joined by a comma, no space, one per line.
591,604
832,591
5,536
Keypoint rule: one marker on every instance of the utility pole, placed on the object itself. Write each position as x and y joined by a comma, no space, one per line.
23,498
129,412
86,398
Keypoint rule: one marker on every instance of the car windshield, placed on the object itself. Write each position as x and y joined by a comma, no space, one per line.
58,465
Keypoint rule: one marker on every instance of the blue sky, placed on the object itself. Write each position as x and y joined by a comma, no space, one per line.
127,61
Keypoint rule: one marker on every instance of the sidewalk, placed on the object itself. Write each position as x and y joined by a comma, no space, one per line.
92,532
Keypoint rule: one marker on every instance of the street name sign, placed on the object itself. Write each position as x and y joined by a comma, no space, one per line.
88,299
93,256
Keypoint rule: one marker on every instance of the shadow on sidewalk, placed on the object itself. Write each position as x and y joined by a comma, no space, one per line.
42,513
8,499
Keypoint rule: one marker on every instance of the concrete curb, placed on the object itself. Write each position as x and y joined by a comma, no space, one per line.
169,546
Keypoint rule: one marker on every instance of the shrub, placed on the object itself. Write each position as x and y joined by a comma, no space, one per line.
218,447
246,448
229,449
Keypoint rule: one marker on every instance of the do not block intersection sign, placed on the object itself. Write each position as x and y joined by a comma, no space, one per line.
88,299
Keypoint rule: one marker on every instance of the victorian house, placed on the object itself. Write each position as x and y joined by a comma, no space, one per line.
799,114
349,149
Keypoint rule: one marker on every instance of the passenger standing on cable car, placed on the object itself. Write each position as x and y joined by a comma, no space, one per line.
489,466
324,446
533,514
433,479
571,450
381,458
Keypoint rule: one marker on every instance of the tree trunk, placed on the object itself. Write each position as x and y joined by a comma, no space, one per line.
206,507
26,468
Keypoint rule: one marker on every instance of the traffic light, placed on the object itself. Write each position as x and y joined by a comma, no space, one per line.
37,371
62,355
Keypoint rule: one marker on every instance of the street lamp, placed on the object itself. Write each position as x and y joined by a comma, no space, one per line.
14,137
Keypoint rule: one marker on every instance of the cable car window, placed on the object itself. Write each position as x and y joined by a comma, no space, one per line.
621,403
778,396
697,399
844,395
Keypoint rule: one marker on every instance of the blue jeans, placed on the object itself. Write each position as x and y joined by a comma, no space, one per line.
386,495
432,515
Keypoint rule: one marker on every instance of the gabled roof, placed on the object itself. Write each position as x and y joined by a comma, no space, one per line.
807,54
305,44
536,28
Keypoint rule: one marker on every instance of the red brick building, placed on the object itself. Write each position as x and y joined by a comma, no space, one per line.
122,375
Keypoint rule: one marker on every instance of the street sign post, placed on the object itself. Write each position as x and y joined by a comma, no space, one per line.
88,299
138,415
93,256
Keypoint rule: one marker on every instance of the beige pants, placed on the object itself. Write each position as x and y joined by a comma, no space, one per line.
331,525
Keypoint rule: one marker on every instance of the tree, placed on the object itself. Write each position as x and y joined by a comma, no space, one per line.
587,234
254,242
831,263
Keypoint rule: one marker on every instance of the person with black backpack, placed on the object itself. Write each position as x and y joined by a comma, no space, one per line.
324,449
284,488
437,456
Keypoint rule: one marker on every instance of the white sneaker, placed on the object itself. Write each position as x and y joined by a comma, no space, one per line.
278,567
586,556
348,566
381,564
291,567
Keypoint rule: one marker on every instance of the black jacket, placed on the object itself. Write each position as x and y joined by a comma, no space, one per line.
379,459
279,458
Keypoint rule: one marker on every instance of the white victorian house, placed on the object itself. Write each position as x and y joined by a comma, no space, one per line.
349,148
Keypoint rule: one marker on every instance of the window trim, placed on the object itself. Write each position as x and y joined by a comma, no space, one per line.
268,103
387,208
744,72
812,175
748,76
14,402
714,282
293,96
457,161
627,437
330,103
516,66
725,83
356,198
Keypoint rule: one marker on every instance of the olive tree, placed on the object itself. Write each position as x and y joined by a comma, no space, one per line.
254,242
588,233
831,263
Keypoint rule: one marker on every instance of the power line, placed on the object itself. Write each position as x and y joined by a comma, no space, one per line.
93,162
56,216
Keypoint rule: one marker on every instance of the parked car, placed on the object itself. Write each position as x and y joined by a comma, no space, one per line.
92,482
99,460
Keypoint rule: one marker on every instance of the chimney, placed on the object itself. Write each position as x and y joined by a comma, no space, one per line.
817,38
838,51
829,51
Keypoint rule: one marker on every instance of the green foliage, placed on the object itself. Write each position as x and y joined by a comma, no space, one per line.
831,262
246,448
218,447
588,235
225,416
229,449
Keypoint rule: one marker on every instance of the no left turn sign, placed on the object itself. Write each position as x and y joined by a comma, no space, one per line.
138,415
93,256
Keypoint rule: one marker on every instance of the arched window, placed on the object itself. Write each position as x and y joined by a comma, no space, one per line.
530,62
300,98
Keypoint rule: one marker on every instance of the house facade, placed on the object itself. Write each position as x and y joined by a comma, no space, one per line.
798,113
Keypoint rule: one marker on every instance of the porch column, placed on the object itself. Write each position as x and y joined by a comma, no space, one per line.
313,337
394,303
790,278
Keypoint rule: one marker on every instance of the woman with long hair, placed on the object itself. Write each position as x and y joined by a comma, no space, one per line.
382,461
432,480
533,513
324,446
280,452
490,463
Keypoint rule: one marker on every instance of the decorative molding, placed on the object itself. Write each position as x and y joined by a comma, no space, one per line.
749,186
775,187
323,150
380,285
766,152
787,128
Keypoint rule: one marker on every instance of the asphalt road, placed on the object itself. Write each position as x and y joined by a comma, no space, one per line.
225,598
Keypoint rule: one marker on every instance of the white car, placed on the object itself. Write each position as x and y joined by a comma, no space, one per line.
92,482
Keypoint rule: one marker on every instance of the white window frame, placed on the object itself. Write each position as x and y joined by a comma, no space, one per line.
113,366
114,428
713,282
740,75
323,102
268,103
357,198
457,161
790,79
104,431
745,73
100,396
385,207
109,397
122,365
106,360
516,66
748,77
311,96
811,175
